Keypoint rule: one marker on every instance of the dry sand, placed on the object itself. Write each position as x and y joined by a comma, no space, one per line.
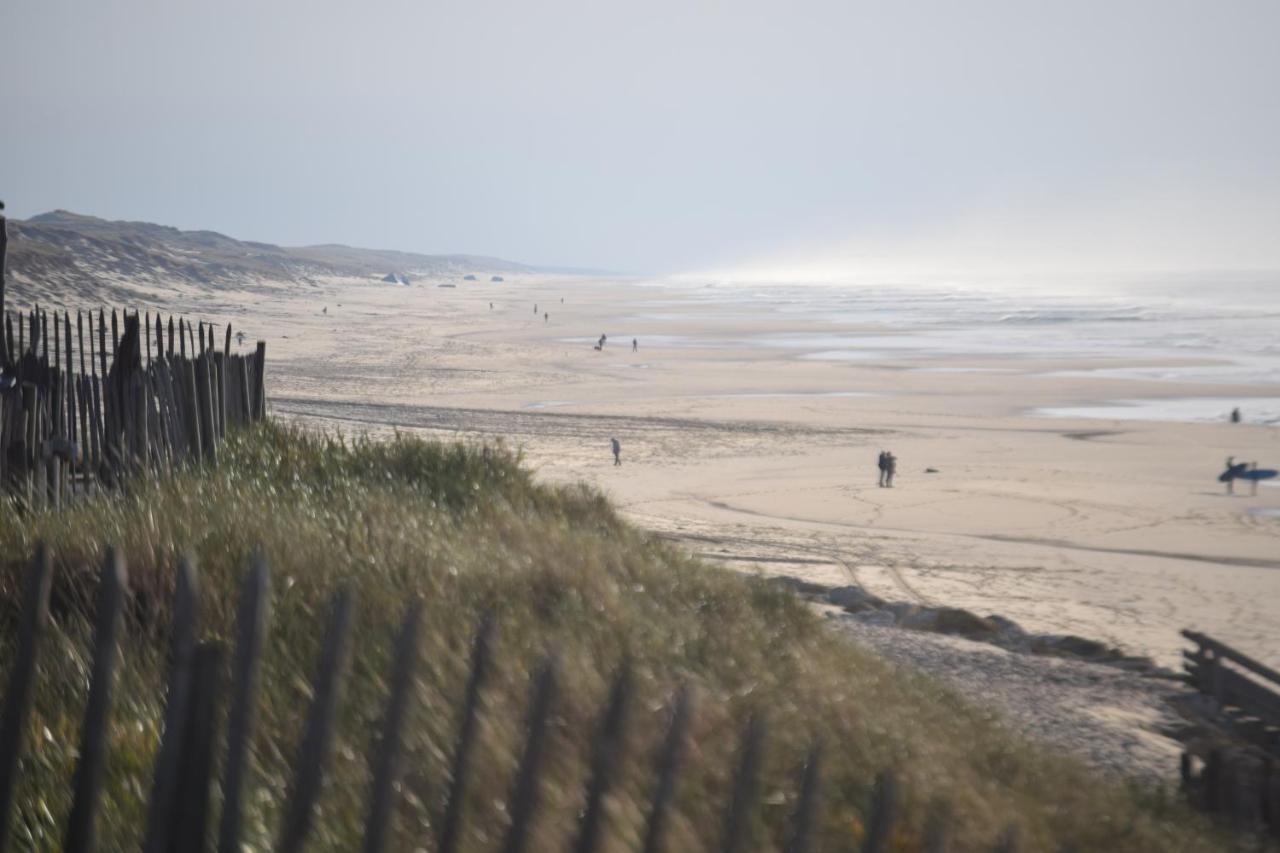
1115,530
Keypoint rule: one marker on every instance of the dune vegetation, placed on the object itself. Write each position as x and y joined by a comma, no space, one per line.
465,529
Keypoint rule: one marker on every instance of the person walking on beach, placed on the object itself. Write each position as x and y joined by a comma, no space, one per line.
1235,415
635,345
890,468
617,451
546,317
883,464
1253,481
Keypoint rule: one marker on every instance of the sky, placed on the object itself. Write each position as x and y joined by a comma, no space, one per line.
808,137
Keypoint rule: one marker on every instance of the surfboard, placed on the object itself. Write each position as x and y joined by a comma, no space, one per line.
1260,474
1233,472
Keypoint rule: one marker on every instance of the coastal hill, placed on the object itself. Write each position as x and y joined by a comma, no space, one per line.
60,252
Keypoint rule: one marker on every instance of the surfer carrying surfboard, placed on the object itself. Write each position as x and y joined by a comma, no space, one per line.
1244,471
1233,470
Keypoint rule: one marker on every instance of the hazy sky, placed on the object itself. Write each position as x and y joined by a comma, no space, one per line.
664,136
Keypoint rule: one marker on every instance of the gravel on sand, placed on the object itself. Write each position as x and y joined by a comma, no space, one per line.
1109,718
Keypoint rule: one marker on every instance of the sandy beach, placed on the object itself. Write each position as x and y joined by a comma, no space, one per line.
740,442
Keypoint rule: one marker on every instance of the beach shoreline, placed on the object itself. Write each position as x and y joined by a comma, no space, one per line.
1109,528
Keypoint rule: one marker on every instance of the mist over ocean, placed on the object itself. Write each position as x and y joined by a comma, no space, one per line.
1211,329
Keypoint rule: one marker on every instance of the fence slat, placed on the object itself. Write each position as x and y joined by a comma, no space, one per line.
387,763
259,381
161,813
87,786
806,816
524,794
313,753
672,758
251,626
17,697
608,752
884,811
451,824
192,801
745,783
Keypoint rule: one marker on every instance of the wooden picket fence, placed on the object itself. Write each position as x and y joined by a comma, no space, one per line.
179,808
77,418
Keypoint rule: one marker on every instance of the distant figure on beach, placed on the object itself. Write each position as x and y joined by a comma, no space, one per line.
535,308
617,451
883,464
635,345
1253,481
546,317
600,343
490,306
1235,415
326,310
890,468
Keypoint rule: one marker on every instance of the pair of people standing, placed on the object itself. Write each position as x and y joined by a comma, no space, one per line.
888,467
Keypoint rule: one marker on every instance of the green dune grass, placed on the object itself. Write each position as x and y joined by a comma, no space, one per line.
467,530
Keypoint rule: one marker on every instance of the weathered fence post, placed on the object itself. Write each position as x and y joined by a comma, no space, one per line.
246,412
259,381
524,793
17,697
673,750
4,251
745,781
884,811
191,405
161,813
807,807
313,753
192,800
87,785
451,824
251,626
386,766
607,755
204,401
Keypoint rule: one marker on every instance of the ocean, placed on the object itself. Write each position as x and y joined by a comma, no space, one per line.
1207,330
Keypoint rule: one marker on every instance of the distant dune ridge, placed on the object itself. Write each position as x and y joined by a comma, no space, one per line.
54,253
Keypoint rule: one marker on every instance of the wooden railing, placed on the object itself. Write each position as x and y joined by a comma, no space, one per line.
179,810
1240,773
1247,692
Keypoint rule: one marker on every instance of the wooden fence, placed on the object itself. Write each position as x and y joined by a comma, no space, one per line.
179,808
1239,776
153,396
